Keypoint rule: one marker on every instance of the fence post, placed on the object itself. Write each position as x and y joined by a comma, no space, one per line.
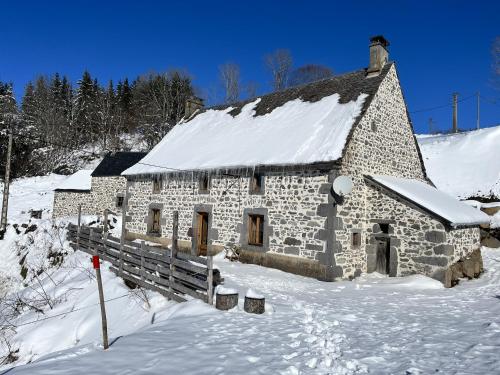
210,276
95,261
173,251
105,224
122,237
79,225
143,269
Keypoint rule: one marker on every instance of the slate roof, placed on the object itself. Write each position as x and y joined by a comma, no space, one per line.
114,164
349,86
301,125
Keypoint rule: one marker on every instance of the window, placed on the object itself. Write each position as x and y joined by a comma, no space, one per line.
356,239
157,184
384,228
374,126
256,230
155,221
256,184
204,184
119,201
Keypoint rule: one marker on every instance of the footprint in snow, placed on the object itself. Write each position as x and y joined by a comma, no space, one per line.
290,356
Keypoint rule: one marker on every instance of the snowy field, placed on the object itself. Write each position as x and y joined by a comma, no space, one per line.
374,324
465,164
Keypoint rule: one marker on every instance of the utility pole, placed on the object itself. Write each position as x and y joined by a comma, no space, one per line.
477,112
431,125
6,183
455,112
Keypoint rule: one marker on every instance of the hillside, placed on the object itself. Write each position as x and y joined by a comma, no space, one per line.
465,165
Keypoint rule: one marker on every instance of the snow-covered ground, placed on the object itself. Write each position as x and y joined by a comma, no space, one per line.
465,164
373,324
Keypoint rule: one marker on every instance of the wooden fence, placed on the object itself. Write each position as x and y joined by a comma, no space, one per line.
173,274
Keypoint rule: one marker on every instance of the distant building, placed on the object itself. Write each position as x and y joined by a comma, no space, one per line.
258,175
97,190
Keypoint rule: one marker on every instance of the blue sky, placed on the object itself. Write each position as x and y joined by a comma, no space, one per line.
439,46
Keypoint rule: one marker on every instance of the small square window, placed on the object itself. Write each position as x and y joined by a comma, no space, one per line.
256,184
356,239
256,230
204,184
119,201
155,221
157,184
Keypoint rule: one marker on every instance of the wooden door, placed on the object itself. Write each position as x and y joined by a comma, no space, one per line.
382,255
202,234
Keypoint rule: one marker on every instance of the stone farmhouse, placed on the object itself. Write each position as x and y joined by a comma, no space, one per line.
72,192
97,190
257,176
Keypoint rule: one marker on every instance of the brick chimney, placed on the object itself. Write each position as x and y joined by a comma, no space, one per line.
379,54
193,104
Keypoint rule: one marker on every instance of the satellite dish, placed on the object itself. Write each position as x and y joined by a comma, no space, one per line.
342,185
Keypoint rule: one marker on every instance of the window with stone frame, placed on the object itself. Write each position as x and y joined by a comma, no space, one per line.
255,230
256,184
374,126
119,201
204,184
155,216
356,239
157,184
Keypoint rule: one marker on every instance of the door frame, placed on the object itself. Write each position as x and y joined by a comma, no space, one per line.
198,209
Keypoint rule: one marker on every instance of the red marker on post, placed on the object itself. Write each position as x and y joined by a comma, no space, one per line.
95,262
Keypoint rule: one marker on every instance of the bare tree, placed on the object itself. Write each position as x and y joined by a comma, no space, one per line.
279,64
309,73
230,78
159,101
251,89
495,55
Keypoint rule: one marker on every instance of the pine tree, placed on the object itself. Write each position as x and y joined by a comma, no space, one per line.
84,108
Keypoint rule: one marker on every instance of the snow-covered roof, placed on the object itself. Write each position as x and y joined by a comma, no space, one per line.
301,125
433,200
466,164
77,181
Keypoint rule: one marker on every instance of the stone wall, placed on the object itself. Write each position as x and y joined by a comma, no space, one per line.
383,143
291,201
103,194
419,242
105,191
66,203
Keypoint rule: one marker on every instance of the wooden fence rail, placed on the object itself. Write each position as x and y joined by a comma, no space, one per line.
173,274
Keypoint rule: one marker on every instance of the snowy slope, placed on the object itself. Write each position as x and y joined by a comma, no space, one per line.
34,193
296,133
373,324
466,164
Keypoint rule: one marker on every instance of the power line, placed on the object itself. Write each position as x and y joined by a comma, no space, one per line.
442,106
64,313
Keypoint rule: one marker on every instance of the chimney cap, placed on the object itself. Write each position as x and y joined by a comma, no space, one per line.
379,39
